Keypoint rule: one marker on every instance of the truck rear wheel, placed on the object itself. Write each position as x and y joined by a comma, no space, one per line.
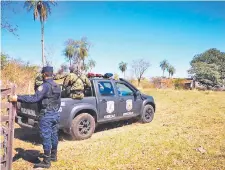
83,126
147,114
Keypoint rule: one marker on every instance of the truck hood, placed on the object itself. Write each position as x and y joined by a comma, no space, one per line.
145,96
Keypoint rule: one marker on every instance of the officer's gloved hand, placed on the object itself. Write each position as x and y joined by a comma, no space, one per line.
12,98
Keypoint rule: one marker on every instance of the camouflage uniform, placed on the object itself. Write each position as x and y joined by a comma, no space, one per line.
39,79
75,85
59,76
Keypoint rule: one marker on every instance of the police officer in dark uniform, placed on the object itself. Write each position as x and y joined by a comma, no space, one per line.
48,96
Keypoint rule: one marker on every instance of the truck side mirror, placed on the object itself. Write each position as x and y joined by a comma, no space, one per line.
137,93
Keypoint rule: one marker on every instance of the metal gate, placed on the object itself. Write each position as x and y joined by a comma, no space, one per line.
8,112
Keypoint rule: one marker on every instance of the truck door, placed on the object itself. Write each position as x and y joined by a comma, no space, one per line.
107,100
129,104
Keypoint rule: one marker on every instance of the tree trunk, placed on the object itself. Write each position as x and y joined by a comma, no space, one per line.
83,64
70,62
139,80
79,64
42,43
163,73
124,74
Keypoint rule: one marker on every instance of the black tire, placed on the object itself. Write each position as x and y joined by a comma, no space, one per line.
147,114
83,126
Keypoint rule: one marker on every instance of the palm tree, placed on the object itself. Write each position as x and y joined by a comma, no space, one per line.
41,9
91,64
164,65
81,50
171,71
123,67
69,53
85,68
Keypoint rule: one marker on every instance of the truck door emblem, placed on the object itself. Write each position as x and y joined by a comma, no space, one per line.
110,106
129,105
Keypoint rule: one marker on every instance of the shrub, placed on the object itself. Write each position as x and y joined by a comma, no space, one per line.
158,82
179,84
23,75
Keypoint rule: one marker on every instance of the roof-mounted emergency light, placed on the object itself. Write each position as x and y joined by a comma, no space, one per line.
106,75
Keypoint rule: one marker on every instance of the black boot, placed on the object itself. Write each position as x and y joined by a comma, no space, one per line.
54,155
46,163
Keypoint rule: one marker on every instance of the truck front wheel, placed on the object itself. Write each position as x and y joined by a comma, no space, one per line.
83,126
147,114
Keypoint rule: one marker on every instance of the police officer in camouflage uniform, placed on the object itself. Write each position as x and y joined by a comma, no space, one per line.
48,96
76,82
39,79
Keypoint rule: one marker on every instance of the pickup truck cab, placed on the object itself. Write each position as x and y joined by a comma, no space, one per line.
108,100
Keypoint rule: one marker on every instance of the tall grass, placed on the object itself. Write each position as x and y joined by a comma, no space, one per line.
22,75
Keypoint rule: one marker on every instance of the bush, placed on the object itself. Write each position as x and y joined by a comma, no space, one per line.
158,82
179,84
23,75
4,58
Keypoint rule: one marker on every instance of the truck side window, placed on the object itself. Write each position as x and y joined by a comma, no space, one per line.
106,88
123,90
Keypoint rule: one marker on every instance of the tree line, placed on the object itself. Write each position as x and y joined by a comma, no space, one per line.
140,66
208,68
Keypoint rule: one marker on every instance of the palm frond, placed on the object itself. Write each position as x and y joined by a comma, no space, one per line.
41,9
47,6
36,13
28,5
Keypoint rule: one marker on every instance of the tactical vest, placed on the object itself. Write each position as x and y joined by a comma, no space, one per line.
68,88
52,100
79,77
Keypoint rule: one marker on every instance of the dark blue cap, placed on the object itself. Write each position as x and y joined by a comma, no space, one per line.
48,69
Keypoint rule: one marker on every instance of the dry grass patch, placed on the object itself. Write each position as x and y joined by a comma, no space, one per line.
186,133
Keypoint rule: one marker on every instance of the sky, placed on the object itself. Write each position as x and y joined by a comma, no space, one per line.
121,31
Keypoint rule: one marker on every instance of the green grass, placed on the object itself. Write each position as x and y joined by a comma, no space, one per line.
184,121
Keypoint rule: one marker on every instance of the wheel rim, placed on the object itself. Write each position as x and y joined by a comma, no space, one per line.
148,114
84,127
